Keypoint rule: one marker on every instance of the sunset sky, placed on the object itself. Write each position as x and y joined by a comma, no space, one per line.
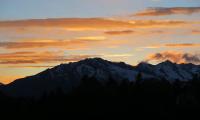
38,34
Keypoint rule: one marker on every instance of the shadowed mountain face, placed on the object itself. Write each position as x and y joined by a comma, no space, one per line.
69,76
1,86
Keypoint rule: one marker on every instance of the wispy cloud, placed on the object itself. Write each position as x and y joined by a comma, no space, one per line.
92,38
196,32
160,11
117,55
160,23
124,32
174,45
41,44
91,23
68,23
29,66
183,45
80,43
77,44
39,57
177,57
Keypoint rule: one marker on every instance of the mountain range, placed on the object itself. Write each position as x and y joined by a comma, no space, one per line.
69,76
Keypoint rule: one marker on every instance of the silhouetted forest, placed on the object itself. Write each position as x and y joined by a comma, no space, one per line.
142,97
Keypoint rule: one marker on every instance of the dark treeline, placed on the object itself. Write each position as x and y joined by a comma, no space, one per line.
148,97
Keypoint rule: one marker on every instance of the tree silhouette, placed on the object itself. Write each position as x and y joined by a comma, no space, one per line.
147,97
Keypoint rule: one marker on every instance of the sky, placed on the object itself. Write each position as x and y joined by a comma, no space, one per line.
39,34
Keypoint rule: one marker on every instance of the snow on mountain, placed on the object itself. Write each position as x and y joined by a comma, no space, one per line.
68,76
170,71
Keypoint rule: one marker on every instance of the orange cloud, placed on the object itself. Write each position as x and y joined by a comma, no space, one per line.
73,23
38,57
175,45
160,11
177,57
93,38
117,55
183,45
160,23
30,66
80,43
196,32
119,32
65,44
91,23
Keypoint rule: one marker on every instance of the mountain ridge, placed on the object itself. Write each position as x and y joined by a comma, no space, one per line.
69,76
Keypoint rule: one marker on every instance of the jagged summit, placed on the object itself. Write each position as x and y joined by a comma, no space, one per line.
167,62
